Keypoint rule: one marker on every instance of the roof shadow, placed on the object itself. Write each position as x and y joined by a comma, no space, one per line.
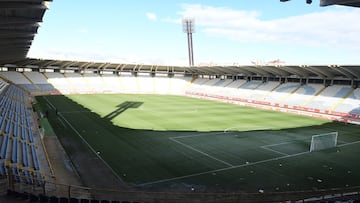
123,107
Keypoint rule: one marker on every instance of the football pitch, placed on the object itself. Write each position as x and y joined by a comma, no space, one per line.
158,141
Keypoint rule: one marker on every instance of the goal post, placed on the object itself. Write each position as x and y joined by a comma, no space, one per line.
323,141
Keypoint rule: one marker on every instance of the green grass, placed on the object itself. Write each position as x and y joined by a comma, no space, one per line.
48,131
174,142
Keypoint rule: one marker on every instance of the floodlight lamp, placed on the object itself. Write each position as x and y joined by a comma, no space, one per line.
188,25
46,4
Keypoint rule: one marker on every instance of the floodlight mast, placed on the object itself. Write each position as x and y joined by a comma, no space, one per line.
188,28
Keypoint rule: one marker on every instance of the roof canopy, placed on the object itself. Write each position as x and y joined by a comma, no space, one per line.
303,71
19,22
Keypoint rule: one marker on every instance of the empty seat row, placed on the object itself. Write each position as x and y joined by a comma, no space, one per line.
288,95
18,150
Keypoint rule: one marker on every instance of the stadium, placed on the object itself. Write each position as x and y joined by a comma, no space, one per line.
79,131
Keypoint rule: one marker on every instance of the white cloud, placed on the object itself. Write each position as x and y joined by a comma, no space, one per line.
83,30
336,28
101,56
151,16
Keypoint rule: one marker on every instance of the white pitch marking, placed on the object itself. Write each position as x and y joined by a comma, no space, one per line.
197,135
201,152
52,106
62,122
92,149
67,112
274,151
349,143
224,169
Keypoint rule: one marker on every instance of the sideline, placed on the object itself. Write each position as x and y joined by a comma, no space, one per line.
90,147
82,138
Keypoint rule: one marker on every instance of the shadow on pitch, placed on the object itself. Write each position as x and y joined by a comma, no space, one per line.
123,107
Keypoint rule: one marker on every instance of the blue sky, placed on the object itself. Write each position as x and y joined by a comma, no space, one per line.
226,32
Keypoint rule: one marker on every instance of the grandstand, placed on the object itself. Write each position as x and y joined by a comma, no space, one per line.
309,97
140,133
22,149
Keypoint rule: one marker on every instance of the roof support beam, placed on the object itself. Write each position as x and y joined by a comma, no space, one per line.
349,73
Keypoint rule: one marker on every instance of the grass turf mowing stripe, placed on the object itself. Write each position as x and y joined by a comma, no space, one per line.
150,155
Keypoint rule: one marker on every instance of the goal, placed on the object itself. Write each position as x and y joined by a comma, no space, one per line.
323,141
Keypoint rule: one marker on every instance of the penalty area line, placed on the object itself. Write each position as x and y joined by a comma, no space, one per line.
224,169
201,152
272,150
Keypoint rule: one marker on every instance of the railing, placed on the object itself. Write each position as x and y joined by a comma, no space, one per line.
54,190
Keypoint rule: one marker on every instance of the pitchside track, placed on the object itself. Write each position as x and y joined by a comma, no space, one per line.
176,143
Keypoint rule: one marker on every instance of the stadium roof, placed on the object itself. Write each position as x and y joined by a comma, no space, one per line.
302,71
19,22
354,3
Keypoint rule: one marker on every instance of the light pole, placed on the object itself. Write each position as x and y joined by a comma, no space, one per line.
188,28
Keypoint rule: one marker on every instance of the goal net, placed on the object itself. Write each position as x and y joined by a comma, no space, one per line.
323,141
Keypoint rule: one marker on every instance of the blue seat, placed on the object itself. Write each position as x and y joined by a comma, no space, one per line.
34,156
28,178
18,130
28,122
23,133
15,131
14,151
17,107
1,123
22,121
31,136
2,101
4,146
25,160
39,179
2,168
8,125
15,172
16,118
